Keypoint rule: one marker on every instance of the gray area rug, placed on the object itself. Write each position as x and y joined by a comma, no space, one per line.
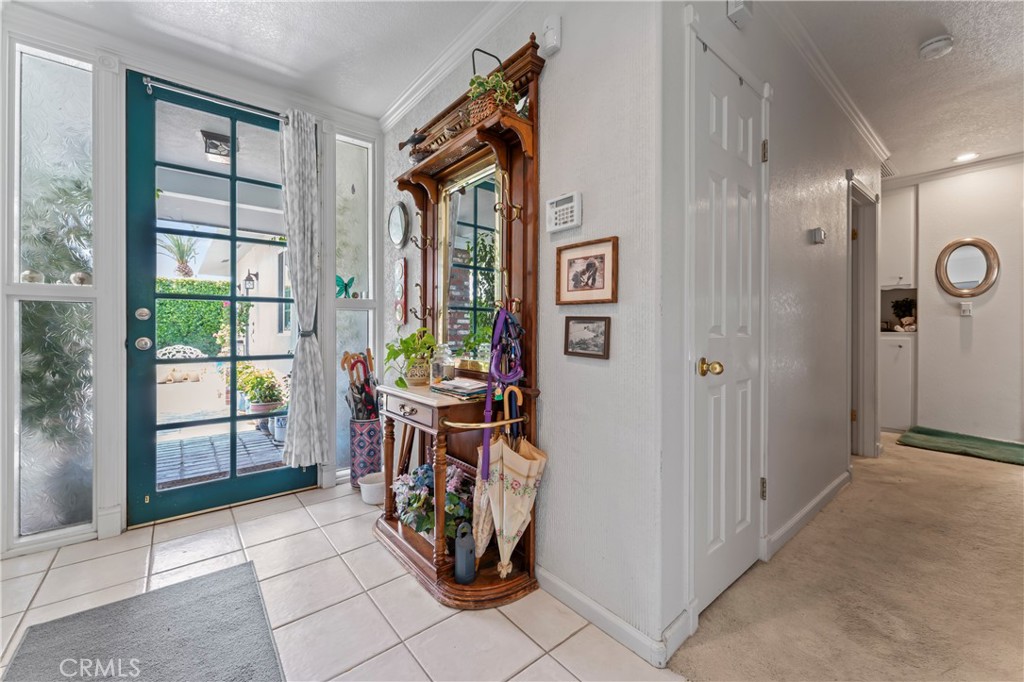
213,627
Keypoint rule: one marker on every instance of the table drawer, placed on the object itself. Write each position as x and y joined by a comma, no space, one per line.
411,410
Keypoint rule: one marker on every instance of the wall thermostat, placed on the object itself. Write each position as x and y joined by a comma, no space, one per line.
565,212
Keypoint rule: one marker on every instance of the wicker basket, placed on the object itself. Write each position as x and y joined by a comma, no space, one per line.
481,108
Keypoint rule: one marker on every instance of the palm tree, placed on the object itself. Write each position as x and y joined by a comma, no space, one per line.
182,249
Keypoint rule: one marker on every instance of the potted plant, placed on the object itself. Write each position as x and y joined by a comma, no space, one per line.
903,308
410,357
261,387
487,93
414,500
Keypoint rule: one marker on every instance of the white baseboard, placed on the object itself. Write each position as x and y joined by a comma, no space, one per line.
655,652
109,522
776,540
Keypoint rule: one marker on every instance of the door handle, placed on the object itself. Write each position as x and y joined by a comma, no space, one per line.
143,343
714,367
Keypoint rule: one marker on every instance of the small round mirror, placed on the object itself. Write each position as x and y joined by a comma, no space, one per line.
398,225
967,267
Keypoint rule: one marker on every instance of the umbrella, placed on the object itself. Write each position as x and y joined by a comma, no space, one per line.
505,500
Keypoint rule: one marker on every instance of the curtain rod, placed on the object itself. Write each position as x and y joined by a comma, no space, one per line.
150,84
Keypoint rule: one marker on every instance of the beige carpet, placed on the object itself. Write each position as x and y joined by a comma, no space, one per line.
914,572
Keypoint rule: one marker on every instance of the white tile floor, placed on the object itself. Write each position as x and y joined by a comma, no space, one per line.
372,622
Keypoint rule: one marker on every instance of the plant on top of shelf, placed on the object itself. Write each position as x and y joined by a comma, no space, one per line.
487,93
410,357
904,307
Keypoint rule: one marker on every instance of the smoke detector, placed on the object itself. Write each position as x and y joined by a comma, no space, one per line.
936,47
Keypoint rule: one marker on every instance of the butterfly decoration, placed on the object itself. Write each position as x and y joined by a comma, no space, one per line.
344,287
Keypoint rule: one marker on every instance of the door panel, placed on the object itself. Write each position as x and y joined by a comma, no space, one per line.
209,326
727,326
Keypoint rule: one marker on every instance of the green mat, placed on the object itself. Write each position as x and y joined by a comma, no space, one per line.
961,444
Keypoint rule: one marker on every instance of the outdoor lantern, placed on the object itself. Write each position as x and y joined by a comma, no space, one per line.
249,283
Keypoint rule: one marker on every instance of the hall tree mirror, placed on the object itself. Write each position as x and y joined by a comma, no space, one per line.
469,262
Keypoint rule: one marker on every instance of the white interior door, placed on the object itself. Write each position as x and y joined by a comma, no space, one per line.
727,410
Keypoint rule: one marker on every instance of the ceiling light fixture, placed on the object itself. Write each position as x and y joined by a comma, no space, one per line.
216,146
936,47
966,156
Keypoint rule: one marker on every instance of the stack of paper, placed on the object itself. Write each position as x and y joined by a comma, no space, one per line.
461,388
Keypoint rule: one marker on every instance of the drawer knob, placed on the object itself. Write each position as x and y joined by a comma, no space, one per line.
407,411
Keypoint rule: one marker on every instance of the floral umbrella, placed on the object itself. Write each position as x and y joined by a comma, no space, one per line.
483,518
512,489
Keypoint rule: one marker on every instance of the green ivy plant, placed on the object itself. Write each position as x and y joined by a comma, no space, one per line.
196,323
504,90
407,350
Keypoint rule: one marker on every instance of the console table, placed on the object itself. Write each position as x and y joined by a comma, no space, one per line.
452,427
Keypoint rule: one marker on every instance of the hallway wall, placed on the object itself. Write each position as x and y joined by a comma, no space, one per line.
970,370
812,143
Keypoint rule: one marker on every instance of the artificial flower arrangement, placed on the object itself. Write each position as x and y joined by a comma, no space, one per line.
414,499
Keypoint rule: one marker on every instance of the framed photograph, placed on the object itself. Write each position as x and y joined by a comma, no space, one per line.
588,337
587,272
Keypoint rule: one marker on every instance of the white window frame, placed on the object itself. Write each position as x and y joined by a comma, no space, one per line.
372,304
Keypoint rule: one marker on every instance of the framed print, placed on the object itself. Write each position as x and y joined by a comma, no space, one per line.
588,337
587,272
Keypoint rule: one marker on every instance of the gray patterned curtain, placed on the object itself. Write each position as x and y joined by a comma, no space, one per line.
304,444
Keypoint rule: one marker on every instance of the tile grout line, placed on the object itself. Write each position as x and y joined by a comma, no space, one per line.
24,612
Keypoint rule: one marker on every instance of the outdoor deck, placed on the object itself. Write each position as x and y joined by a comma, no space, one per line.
206,458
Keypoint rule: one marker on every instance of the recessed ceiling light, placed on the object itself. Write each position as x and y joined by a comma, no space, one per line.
966,156
936,47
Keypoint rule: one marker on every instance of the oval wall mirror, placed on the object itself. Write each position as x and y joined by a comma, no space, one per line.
967,267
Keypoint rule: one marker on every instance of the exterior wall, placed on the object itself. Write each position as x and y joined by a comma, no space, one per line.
597,516
971,369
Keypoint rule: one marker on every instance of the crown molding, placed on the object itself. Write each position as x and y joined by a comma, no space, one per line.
959,169
797,34
453,55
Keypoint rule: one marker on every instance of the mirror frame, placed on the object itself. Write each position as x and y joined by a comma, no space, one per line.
991,267
474,173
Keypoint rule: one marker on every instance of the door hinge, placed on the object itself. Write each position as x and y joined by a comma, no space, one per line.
764,151
853,415
854,234
764,488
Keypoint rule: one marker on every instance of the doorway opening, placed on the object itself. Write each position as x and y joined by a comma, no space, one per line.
862,233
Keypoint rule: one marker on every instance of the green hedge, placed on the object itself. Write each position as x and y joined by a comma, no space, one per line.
194,323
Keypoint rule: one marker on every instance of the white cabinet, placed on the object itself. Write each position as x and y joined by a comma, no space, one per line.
897,243
896,380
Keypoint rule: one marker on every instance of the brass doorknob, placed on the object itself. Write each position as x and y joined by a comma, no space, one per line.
714,367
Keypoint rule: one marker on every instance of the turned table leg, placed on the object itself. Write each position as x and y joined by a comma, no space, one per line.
440,487
389,467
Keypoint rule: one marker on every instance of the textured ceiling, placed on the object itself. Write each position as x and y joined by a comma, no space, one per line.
358,56
928,112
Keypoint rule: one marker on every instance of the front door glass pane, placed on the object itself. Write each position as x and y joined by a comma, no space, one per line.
192,455
192,138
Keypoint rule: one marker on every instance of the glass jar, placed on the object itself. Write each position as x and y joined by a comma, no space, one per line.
442,364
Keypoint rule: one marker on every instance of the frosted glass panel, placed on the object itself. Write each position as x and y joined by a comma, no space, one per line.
353,336
55,448
352,255
259,153
55,191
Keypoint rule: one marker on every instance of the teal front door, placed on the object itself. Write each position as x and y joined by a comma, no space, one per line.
210,331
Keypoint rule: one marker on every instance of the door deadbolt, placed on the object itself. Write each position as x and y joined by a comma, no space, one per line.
143,343
143,314
714,367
